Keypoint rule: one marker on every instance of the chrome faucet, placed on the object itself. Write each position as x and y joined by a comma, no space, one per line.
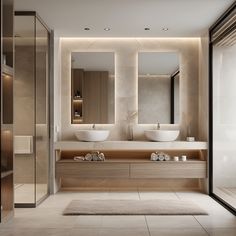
93,127
158,125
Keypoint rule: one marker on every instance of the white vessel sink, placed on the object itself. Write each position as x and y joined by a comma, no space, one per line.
92,135
162,135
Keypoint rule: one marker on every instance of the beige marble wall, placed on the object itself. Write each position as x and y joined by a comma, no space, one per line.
126,97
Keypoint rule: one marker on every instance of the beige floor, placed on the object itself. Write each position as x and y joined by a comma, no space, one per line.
47,219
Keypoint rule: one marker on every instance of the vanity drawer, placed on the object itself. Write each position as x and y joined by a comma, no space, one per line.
92,170
188,169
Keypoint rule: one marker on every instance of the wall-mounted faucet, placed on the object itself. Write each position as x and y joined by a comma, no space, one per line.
93,127
158,125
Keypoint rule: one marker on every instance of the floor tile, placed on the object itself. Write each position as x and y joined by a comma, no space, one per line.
123,195
217,221
120,222
152,194
221,231
179,232
123,232
88,221
85,232
34,232
172,222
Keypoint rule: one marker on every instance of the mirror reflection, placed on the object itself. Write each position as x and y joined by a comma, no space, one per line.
158,87
92,88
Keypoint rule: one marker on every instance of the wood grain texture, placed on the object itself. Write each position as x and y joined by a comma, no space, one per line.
70,183
92,170
186,169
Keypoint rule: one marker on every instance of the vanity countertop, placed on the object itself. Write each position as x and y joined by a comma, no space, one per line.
129,145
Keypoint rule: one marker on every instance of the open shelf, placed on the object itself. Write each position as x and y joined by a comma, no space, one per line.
132,165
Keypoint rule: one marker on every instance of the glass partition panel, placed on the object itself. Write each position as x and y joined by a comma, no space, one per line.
31,109
41,111
224,118
24,107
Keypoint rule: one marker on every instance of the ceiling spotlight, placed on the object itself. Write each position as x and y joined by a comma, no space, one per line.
86,28
165,29
146,28
107,29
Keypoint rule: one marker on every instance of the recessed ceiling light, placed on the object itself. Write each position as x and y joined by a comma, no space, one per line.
86,28
146,28
107,29
165,29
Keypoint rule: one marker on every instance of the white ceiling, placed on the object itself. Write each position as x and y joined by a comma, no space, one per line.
127,18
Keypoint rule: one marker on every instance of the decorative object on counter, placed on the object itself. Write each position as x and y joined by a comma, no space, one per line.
190,139
176,158
131,115
161,156
183,158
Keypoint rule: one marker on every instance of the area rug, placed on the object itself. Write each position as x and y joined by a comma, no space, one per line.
133,207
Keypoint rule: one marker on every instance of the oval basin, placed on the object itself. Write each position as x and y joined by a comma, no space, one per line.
92,135
162,135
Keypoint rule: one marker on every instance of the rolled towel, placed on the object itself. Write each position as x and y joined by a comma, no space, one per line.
161,156
88,157
154,157
79,158
167,157
101,157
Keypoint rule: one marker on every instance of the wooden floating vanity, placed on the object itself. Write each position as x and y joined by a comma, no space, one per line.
130,160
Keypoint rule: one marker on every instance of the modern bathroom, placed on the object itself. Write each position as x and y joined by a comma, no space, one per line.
118,120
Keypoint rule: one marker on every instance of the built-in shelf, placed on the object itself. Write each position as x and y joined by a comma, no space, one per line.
129,160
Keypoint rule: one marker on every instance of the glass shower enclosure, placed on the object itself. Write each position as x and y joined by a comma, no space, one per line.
31,109
223,110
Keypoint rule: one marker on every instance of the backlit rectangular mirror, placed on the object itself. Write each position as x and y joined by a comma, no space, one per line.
158,87
92,88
